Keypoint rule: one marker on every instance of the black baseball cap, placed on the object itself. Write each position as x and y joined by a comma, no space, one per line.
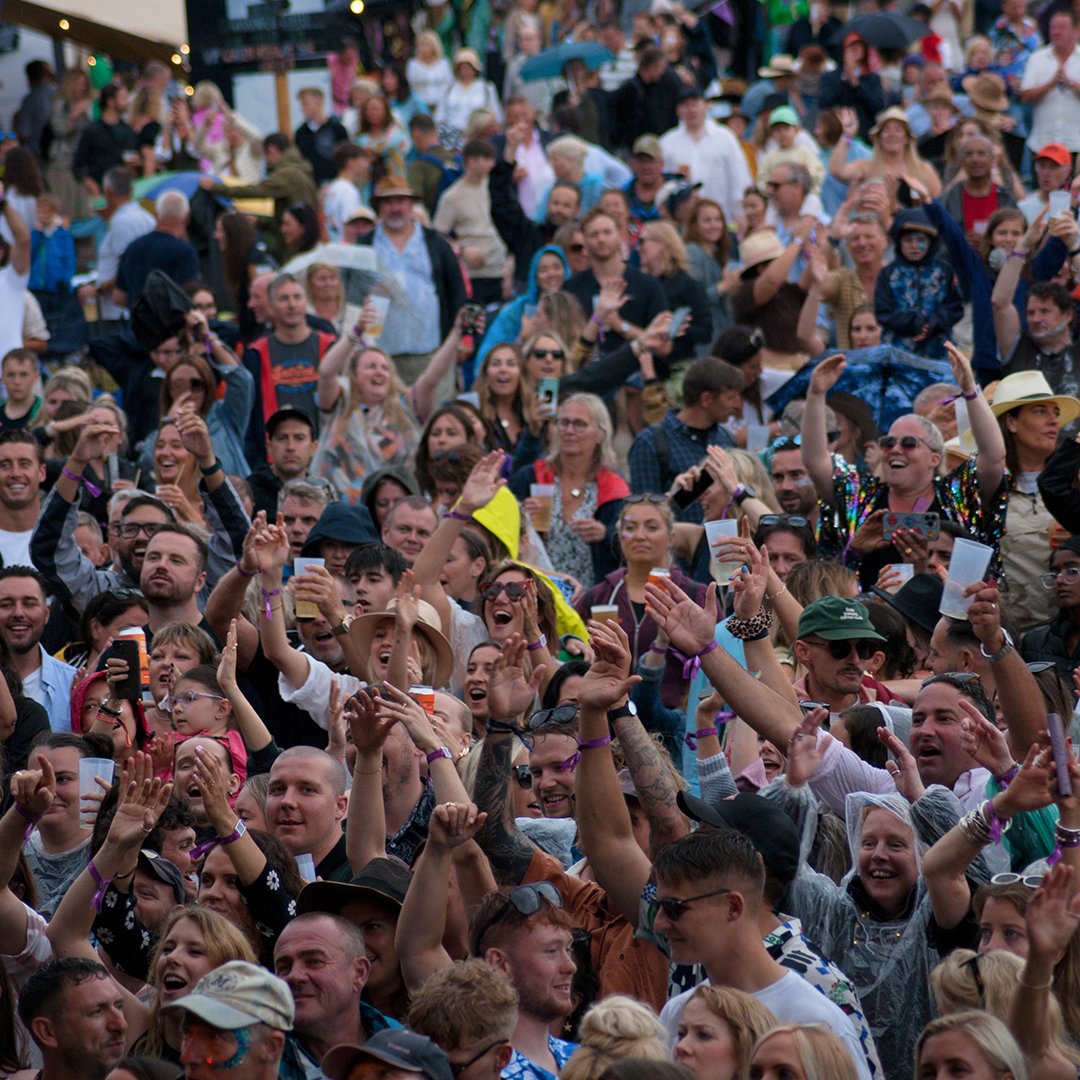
769,829
384,879
404,1049
164,871
289,412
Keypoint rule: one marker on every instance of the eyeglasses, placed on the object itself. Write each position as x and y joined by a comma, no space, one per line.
523,776
526,900
1037,667
189,697
952,678
544,354
492,590
841,650
1069,575
458,1069
564,422
675,909
810,706
128,530
795,520
654,500
907,442
1032,881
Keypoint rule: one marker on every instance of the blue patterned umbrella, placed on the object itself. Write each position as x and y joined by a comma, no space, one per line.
550,63
885,377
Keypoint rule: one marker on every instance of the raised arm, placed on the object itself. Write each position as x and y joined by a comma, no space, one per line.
365,822
422,923
607,836
692,630
445,357
509,696
274,547
767,283
332,364
989,442
845,171
20,235
815,437
1003,297
810,337
227,598
252,730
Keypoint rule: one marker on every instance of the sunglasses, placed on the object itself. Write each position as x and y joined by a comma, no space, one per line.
654,500
458,1069
1032,881
980,989
1069,575
906,442
841,650
1037,667
525,900
492,590
128,530
561,714
952,678
577,248
522,776
453,456
795,520
554,354
675,909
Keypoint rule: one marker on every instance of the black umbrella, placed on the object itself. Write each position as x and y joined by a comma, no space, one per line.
160,311
887,29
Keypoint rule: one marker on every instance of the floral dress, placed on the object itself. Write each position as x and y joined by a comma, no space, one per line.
568,552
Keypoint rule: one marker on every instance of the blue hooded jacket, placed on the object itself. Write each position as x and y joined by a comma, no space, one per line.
912,295
507,324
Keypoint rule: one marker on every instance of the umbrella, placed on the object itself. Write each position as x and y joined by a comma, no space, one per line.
887,29
885,377
150,187
550,63
357,263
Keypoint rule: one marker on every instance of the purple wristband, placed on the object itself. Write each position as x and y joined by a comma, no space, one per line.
266,594
244,573
692,664
102,885
1008,776
659,652
540,644
456,516
32,821
594,744
441,752
94,490
691,738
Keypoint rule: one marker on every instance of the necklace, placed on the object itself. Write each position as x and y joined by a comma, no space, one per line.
576,492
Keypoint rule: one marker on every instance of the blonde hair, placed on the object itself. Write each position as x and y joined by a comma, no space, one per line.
617,1027
675,256
746,1018
956,988
987,1032
567,321
72,379
570,148
207,93
605,452
433,40
752,473
822,1055
395,413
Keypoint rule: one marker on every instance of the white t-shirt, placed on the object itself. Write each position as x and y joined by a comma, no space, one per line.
15,547
341,200
1056,118
792,1000
12,290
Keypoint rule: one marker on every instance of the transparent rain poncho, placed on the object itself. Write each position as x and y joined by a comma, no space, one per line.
888,960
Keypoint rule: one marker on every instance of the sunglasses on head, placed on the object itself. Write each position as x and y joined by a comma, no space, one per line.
795,520
453,456
1036,667
951,678
976,975
526,900
544,354
675,909
906,442
841,650
561,714
1032,881
654,500
492,590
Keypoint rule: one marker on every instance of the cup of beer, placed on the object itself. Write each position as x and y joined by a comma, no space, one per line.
424,696
544,494
605,613
381,304
658,575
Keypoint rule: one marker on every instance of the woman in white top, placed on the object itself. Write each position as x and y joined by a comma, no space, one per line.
429,72
468,92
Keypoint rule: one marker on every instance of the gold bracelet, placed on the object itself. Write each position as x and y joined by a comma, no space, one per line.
778,593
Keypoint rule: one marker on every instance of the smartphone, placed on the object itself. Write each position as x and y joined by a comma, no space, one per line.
470,317
548,393
306,609
685,497
678,317
928,526
1060,749
131,688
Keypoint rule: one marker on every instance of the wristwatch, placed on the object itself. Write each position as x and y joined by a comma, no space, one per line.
342,627
629,709
1003,651
742,493
624,328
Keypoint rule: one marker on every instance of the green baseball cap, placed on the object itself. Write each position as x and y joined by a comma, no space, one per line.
784,114
836,619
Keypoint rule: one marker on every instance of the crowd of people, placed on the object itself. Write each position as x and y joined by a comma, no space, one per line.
443,605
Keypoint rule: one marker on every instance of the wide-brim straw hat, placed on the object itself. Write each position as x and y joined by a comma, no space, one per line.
470,57
428,623
893,112
1031,388
393,187
986,91
759,247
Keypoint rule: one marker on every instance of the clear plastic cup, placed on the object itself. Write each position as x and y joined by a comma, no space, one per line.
306,609
381,304
306,865
757,438
1058,202
968,564
605,613
715,531
90,767
905,571
544,494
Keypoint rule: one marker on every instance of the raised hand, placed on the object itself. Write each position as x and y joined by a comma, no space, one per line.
143,798
805,752
608,681
34,789
961,367
335,721
407,602
249,558
827,374
398,707
689,627
194,435
1052,918
210,777
95,441
509,692
368,730
1030,788
902,767
983,741
454,824
483,482
226,672
748,584
273,547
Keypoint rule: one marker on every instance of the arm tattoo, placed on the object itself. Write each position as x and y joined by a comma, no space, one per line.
505,845
653,782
